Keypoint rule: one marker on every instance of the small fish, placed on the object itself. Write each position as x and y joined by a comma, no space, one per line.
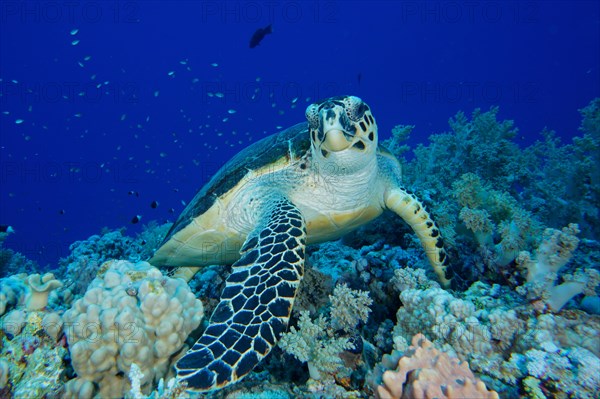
259,35
172,210
62,212
136,219
154,204
134,193
4,228
359,77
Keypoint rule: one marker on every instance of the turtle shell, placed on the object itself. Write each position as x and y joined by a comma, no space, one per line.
290,143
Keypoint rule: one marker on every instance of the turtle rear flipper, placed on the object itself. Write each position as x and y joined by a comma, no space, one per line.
255,305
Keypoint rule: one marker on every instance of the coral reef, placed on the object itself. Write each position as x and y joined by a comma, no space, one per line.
130,313
12,292
32,362
424,372
31,291
504,195
499,225
316,344
348,308
39,289
552,255
81,266
523,312
12,262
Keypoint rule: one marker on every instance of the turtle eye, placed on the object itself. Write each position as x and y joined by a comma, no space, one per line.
355,108
312,115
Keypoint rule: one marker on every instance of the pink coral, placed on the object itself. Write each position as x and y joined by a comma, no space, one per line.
425,372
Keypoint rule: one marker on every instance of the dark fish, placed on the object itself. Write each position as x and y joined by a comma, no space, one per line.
62,212
359,77
172,210
4,228
136,219
154,204
134,193
259,35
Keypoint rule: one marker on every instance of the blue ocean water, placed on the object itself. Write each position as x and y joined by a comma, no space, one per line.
108,106
114,113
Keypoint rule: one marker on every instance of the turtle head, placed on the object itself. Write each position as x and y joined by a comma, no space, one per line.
343,126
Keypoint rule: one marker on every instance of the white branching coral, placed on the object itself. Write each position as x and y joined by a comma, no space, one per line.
316,345
321,342
408,278
348,307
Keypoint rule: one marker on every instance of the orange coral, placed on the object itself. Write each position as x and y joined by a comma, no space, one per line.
425,372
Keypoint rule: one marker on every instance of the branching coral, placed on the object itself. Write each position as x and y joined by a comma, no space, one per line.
482,145
477,328
315,344
558,183
409,278
348,307
318,342
12,262
573,372
566,187
12,292
86,256
425,372
494,216
552,255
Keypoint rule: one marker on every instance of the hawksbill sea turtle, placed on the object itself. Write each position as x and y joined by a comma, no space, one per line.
310,183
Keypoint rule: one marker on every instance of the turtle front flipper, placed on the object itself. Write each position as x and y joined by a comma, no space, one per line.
255,305
409,208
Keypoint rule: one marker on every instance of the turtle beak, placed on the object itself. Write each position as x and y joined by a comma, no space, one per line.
335,140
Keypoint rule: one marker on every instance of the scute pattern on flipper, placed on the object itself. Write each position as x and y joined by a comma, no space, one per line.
255,305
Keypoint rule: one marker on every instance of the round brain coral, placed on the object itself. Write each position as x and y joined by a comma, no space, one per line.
130,313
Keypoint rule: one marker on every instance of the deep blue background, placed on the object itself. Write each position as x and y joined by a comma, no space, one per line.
93,130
